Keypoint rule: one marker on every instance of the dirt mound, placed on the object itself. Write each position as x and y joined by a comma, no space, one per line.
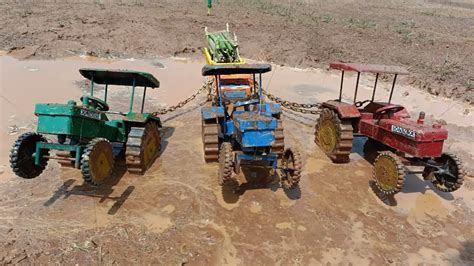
433,40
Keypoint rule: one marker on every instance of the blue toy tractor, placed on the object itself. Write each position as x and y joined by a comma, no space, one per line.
240,129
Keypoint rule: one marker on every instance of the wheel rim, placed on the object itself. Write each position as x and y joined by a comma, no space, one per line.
101,161
149,148
386,173
327,136
151,144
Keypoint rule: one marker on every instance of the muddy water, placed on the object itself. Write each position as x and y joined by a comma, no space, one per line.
177,213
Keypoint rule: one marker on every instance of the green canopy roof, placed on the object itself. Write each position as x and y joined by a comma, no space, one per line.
120,77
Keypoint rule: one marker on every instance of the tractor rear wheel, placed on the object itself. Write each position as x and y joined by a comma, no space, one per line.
278,146
451,176
292,167
334,136
388,173
143,147
210,140
22,156
226,167
97,161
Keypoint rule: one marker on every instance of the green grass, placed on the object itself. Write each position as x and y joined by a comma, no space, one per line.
361,23
327,18
405,29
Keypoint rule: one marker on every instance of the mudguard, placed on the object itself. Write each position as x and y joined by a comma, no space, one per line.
344,110
212,112
141,118
270,108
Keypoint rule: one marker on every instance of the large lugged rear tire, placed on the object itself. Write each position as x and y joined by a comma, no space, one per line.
97,161
388,173
22,159
292,165
210,140
334,136
143,147
227,178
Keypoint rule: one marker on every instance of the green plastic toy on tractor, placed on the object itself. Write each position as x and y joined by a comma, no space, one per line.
85,137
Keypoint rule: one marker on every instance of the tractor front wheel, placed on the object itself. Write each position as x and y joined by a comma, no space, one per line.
388,173
226,167
334,136
97,161
292,166
450,176
22,156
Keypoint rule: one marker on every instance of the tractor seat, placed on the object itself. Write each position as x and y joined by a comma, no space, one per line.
235,92
236,87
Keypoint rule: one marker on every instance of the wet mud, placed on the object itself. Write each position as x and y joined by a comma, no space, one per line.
176,213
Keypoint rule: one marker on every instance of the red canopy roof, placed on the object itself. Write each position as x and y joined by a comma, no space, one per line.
369,68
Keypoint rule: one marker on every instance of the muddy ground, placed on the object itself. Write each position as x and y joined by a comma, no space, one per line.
177,214
433,38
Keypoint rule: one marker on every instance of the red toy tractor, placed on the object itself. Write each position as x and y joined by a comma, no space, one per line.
403,141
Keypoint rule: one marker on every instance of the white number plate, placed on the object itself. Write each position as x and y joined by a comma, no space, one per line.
90,114
403,131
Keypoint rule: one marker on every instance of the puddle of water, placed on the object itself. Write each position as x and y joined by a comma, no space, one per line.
55,81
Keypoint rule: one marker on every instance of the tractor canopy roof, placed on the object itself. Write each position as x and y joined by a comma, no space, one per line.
398,70
211,70
120,77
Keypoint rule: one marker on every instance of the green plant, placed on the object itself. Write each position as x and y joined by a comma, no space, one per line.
327,18
404,28
361,23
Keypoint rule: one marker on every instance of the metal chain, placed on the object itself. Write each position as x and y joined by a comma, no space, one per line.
205,86
297,107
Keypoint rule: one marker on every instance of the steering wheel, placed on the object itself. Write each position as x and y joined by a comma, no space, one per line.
95,103
388,109
360,103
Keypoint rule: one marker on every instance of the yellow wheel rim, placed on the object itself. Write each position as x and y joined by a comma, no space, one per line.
386,173
101,161
327,136
151,145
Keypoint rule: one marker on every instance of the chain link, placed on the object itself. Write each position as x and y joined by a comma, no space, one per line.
205,86
297,107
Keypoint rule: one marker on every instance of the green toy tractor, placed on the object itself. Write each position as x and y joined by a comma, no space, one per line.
86,138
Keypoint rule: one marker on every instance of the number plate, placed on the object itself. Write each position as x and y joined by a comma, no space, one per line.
90,114
403,131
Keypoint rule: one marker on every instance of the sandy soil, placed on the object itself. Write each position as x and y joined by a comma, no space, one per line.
176,212
433,38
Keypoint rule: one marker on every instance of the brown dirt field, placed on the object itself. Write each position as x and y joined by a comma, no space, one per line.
433,38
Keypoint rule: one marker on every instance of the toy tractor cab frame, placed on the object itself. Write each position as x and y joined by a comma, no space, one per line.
86,138
240,129
387,126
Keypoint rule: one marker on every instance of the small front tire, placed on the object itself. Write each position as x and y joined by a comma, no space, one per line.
22,156
292,167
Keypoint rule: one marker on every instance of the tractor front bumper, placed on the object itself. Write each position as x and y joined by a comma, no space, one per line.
61,147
